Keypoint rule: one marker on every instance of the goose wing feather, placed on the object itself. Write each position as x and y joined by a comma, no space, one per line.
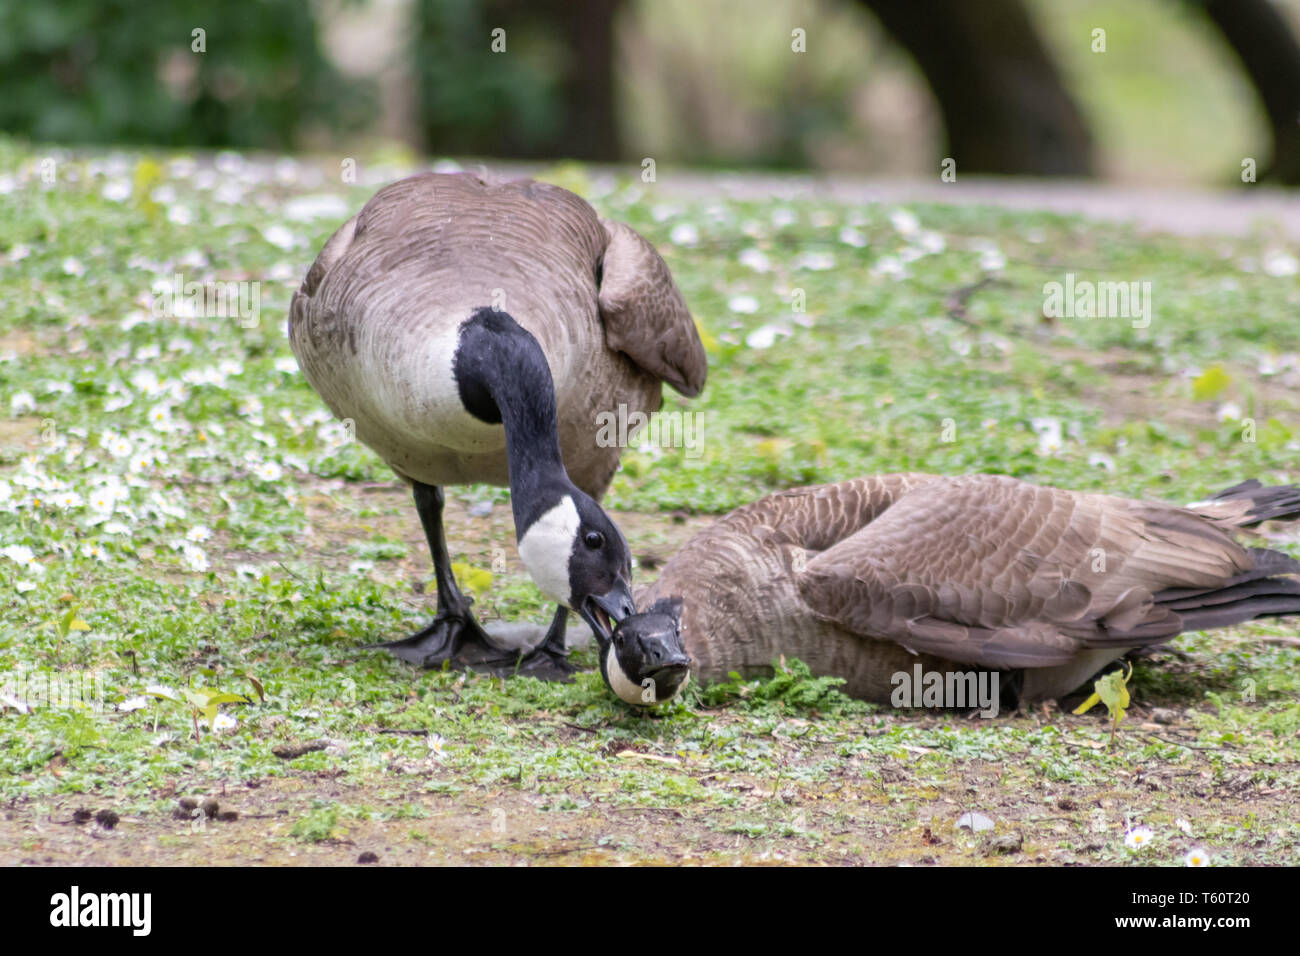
644,314
995,572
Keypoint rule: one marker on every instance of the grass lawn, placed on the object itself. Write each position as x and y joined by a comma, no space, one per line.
179,513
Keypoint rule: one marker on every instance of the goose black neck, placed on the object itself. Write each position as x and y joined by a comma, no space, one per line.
503,378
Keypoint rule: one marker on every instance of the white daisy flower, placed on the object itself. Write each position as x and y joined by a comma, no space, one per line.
287,365
815,261
851,237
119,446
279,236
684,234
24,557
991,260
102,501
1050,439
904,222
142,462
160,417
744,304
94,550
195,558
268,471
764,337
21,586
1280,263
1197,857
72,266
146,380
198,533
67,499
783,216
1138,837
21,402
132,703
755,259
1184,825
932,242
890,266
223,722
333,435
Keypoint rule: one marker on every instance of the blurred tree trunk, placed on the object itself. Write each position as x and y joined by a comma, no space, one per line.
1263,41
586,29
1005,108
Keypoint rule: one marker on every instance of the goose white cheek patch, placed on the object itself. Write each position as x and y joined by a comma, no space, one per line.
546,546
621,684
627,690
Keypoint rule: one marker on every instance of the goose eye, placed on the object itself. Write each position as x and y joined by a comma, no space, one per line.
594,540
600,271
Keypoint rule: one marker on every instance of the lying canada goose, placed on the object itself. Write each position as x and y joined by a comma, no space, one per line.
866,578
473,332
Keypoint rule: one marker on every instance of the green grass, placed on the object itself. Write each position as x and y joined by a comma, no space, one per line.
222,465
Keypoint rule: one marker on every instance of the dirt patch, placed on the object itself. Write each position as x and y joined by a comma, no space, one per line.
18,435
868,810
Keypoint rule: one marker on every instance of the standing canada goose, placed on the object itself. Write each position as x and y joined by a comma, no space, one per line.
866,578
473,332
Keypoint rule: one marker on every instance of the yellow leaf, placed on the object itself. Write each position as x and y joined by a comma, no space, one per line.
78,625
1210,383
147,175
709,342
1088,704
472,579
567,175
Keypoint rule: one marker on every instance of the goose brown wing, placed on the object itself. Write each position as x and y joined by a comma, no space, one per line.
995,572
644,313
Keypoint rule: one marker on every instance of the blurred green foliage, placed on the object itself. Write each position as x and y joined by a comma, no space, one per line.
131,71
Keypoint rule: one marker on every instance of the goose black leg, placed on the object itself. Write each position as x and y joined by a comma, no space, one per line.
453,634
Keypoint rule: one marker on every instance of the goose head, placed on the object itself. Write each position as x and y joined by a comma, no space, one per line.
578,557
646,662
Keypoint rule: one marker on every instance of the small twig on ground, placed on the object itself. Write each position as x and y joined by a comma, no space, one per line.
397,730
1179,743
1280,640
289,572
589,730
958,301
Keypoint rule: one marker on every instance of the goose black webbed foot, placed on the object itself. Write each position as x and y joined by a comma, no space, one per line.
451,636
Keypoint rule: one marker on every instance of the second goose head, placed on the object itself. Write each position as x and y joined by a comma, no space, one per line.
646,663
578,557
